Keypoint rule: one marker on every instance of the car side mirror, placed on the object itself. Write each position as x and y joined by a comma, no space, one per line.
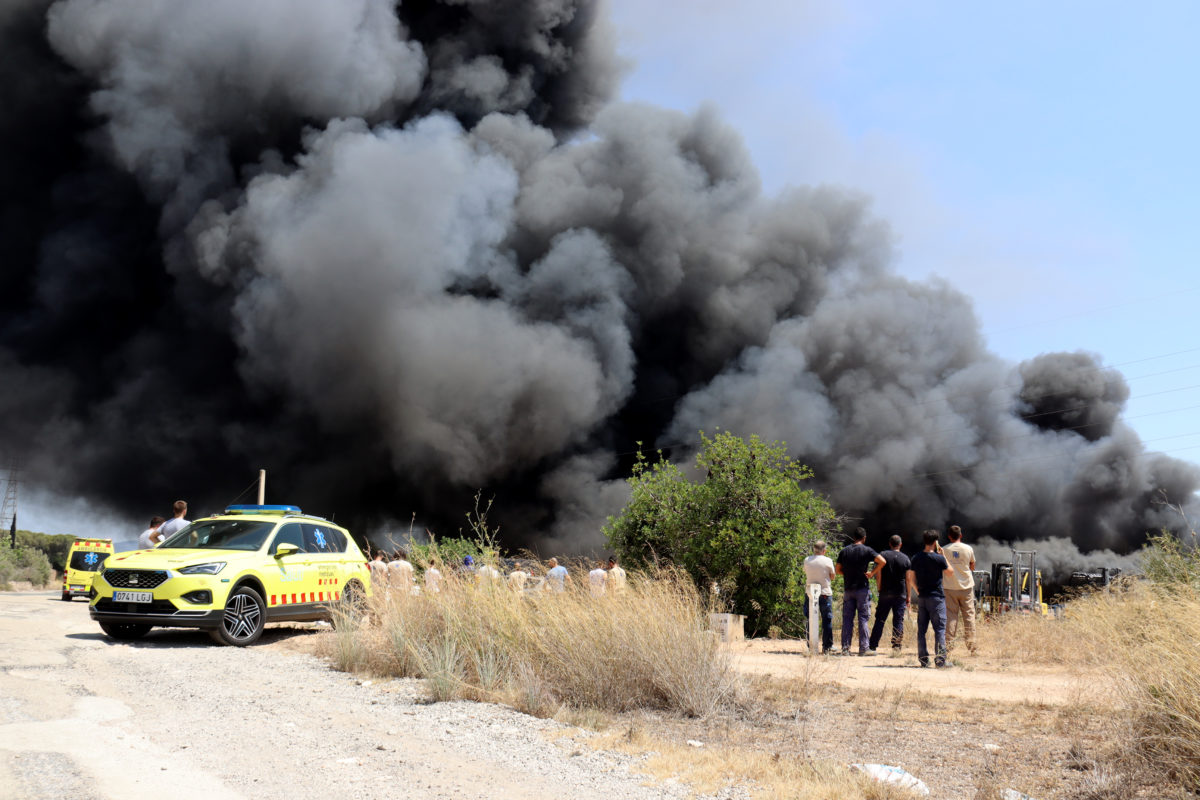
285,549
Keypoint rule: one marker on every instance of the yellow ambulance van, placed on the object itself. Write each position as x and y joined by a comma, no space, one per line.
84,560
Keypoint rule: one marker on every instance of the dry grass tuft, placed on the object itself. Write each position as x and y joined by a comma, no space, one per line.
711,769
1152,636
645,648
1144,638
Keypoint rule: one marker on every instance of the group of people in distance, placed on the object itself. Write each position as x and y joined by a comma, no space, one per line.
938,582
398,573
161,529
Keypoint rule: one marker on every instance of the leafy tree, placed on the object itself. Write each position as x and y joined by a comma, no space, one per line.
746,527
54,545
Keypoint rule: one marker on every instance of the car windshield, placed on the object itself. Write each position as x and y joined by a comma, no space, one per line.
221,534
87,560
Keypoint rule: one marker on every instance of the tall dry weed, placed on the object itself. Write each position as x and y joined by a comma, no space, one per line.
646,647
1146,638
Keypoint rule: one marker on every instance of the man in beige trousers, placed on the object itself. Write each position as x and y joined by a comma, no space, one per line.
960,587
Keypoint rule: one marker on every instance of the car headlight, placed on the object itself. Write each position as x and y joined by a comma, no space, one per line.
211,568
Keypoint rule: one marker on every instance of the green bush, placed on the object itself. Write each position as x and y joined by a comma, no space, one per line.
746,527
24,564
54,545
1169,562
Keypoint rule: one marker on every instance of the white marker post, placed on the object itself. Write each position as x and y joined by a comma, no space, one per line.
262,486
814,618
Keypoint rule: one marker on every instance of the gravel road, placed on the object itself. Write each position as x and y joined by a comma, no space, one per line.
173,715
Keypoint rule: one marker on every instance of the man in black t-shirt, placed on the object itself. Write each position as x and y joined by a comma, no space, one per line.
893,594
925,573
857,564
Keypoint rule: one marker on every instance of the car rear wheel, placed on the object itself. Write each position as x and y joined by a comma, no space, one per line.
244,618
66,596
125,631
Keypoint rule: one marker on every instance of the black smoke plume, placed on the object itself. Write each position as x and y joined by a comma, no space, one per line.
396,252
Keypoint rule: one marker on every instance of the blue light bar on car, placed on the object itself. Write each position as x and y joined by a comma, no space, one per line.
254,509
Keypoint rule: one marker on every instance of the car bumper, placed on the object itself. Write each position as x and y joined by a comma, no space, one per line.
167,608
119,612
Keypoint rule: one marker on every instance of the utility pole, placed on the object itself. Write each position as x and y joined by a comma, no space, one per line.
8,509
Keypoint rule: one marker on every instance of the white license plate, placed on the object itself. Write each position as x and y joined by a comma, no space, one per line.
133,597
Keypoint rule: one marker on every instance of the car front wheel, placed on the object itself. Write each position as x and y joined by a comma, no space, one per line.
243,620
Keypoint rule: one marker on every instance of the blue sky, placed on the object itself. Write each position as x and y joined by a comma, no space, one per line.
1039,156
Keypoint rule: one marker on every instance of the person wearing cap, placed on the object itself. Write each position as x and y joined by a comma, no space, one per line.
557,576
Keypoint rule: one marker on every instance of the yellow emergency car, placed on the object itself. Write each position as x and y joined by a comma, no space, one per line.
231,574
84,560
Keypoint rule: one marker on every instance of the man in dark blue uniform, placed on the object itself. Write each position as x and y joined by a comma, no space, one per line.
857,564
925,573
893,594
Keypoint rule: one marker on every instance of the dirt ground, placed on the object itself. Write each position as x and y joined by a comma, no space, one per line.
970,731
972,677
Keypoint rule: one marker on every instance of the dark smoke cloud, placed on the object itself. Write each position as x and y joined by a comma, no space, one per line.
396,252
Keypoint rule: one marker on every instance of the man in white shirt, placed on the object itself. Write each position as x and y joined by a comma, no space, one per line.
433,579
517,578
379,571
400,573
818,569
597,579
960,587
152,535
176,523
487,574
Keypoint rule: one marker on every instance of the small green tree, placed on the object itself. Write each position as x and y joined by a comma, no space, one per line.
746,527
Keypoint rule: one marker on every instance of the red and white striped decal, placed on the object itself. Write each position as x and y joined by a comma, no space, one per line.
304,597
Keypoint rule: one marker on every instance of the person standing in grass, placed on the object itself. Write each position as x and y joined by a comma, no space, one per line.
893,594
487,575
858,565
926,571
960,587
518,578
556,576
597,579
818,569
400,572
379,571
616,576
433,578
